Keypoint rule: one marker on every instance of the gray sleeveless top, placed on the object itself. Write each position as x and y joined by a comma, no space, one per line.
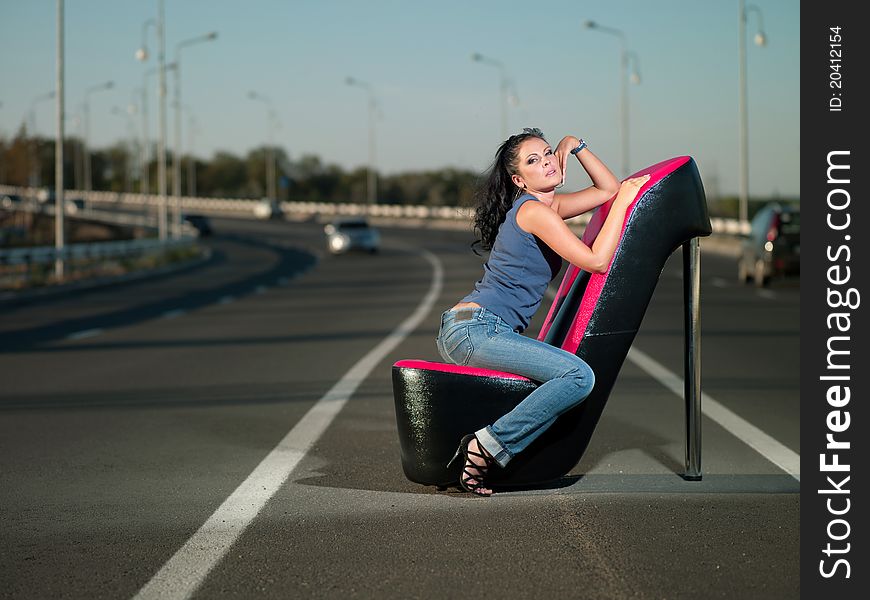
517,273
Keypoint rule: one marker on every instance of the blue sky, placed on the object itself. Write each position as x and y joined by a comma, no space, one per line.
438,107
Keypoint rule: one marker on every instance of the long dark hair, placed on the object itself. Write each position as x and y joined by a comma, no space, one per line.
496,195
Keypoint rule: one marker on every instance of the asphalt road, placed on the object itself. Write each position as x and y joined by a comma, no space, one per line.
134,421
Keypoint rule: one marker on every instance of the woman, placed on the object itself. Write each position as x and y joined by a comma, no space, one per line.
521,220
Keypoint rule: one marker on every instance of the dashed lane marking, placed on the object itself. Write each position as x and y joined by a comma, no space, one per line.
187,569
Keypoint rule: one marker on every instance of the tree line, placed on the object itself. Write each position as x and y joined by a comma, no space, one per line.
29,161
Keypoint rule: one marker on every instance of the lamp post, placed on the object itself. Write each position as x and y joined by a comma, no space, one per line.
372,177
271,123
176,159
87,118
58,148
142,55
35,167
145,186
624,58
743,149
504,85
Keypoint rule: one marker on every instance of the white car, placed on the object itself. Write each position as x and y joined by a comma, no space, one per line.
268,209
343,235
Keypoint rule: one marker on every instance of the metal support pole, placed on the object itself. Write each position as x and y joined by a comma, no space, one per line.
692,362
176,154
58,152
162,220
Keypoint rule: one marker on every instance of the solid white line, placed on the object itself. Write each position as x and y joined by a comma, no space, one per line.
767,294
81,335
719,282
173,313
783,457
188,568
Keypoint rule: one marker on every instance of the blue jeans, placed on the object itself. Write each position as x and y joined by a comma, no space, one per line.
476,337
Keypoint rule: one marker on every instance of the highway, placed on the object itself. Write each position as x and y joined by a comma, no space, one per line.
228,432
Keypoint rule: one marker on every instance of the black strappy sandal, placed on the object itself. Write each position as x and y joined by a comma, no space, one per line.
467,470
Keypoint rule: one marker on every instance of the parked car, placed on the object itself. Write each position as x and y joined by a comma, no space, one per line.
268,209
772,247
200,223
343,235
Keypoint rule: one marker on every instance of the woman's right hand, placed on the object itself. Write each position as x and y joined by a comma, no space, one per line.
628,190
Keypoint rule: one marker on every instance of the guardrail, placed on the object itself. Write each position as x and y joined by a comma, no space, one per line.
41,255
246,207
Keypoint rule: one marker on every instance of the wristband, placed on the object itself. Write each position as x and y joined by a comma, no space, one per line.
579,148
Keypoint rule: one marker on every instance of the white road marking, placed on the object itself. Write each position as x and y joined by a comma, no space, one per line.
719,282
187,569
780,455
767,294
172,314
81,335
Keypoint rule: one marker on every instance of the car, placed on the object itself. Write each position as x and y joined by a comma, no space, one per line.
200,223
343,235
268,209
772,247
11,201
74,205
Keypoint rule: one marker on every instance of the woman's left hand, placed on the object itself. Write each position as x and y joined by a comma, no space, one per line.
563,151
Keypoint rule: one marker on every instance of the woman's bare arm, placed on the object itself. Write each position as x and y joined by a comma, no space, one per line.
604,183
542,221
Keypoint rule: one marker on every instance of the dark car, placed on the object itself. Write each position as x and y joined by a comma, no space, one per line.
347,234
200,223
772,247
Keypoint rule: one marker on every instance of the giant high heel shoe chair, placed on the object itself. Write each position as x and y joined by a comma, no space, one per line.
595,316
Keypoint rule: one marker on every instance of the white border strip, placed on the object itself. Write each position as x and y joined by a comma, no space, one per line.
187,569
783,457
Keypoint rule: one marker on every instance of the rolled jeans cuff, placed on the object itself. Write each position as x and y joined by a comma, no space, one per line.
490,443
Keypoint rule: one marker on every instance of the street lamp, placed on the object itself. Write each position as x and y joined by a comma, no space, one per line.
504,85
624,58
271,124
87,119
743,148
142,55
58,145
35,170
176,162
372,177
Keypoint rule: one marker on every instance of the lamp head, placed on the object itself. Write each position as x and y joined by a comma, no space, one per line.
589,24
760,39
142,54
